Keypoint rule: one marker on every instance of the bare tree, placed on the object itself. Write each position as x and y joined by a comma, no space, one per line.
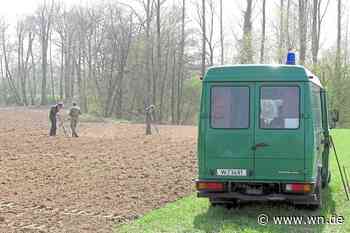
123,40
4,88
262,47
210,34
302,30
44,17
148,69
203,39
33,83
281,32
290,33
339,32
51,68
20,65
314,35
181,64
221,35
288,44
247,51
82,30
317,18
206,24
8,73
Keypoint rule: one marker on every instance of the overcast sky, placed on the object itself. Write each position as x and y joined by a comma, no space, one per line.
11,9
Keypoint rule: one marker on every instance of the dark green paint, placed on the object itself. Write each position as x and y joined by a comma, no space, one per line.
303,151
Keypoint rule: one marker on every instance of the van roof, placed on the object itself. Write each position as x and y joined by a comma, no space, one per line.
254,72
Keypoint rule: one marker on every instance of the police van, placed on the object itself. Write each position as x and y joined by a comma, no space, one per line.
263,135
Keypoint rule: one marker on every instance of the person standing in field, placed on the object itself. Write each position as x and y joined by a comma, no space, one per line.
54,110
74,113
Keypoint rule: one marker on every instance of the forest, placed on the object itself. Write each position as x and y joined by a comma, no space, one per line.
116,58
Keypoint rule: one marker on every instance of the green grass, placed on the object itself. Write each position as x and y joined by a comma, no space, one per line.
192,214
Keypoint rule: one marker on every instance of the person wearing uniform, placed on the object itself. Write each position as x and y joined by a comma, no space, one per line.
74,113
54,110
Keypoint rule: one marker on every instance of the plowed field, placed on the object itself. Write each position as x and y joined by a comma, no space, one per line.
110,174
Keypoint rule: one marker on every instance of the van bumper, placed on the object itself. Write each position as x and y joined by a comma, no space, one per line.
294,198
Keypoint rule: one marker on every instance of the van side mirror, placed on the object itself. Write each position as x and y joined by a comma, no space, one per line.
335,115
334,118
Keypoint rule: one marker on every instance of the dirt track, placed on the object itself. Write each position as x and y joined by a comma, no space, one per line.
110,174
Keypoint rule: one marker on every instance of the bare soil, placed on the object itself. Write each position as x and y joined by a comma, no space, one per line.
112,173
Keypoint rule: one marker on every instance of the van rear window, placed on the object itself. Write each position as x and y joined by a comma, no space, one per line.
229,107
279,107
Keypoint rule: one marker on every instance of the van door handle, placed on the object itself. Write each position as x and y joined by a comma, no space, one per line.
262,144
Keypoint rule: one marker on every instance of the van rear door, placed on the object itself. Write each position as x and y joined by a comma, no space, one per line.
279,131
230,131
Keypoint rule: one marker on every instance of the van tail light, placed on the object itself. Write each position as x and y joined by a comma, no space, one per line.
298,188
209,186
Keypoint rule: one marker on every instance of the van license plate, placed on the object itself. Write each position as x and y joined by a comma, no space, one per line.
231,172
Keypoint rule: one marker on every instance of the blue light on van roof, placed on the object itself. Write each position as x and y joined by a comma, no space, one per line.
290,58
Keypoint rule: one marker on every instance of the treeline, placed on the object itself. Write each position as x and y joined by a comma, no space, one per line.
116,58
111,58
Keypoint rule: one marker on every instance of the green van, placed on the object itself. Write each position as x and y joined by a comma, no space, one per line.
263,135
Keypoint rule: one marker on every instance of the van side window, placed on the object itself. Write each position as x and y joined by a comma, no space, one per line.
279,107
229,107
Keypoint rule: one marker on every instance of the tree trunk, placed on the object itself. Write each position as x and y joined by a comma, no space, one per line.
111,85
159,54
51,72
222,35
181,65
302,31
20,68
9,78
247,52
25,64
72,78
79,74
203,39
338,51
33,79
211,34
44,48
3,80
281,33
84,103
288,44
148,71
67,79
262,47
119,95
62,69
162,87
338,103
314,49
172,98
